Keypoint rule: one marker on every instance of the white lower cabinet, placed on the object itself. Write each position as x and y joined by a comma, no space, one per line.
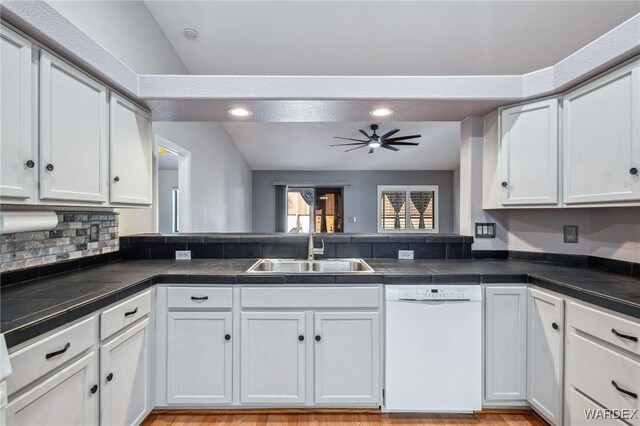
199,357
124,376
603,369
347,357
545,351
69,398
506,344
272,357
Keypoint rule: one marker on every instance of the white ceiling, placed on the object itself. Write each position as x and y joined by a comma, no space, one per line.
306,146
383,37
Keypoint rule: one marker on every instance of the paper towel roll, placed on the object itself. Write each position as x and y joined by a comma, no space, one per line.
27,221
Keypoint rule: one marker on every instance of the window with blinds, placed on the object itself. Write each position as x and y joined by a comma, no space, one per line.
410,208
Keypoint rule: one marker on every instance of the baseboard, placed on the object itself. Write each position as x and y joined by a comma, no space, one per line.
214,411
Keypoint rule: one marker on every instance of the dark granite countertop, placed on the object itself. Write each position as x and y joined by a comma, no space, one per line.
31,308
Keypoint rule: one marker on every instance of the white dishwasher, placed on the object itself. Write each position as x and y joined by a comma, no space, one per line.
433,348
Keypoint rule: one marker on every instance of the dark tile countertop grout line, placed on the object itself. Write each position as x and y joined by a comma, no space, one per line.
383,275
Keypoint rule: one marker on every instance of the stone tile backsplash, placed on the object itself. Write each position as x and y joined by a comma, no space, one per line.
70,239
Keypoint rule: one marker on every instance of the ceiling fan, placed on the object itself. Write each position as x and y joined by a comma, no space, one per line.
375,141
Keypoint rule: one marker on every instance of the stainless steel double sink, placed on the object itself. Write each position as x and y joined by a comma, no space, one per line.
299,266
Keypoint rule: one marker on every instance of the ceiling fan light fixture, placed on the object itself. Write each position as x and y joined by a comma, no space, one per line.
381,112
239,112
374,144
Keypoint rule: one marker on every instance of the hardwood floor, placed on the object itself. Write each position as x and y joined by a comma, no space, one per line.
340,419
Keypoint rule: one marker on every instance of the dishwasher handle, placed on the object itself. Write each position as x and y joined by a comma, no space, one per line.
434,301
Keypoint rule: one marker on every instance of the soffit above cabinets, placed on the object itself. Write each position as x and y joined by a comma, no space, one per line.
326,98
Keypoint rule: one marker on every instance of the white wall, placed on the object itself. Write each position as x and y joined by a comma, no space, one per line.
136,40
220,177
167,180
604,232
471,170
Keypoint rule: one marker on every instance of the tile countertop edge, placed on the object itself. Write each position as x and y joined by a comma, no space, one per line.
22,333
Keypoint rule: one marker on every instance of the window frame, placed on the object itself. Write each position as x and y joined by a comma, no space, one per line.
408,189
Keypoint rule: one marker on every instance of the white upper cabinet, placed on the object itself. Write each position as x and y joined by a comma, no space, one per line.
529,153
601,139
131,153
18,159
73,134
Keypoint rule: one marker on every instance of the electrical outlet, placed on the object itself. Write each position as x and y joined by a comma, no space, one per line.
405,254
352,219
183,254
570,234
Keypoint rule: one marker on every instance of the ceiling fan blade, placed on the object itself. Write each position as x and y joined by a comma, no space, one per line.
386,135
371,151
385,146
350,139
400,138
345,144
357,147
402,143
365,134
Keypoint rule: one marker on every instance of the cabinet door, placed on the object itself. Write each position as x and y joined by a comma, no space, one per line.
545,331
69,398
17,149
272,365
130,136
199,358
124,373
506,343
73,133
347,357
529,153
602,139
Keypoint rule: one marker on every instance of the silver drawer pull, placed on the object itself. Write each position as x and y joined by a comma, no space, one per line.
624,336
60,352
624,391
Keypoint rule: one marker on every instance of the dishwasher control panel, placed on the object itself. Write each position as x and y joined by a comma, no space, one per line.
434,293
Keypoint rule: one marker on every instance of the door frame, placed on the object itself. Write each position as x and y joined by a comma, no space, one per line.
184,182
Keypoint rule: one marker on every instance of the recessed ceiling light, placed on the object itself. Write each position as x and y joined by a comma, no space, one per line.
190,33
381,112
239,112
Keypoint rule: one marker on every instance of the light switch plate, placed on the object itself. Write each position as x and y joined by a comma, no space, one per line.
183,254
405,254
570,234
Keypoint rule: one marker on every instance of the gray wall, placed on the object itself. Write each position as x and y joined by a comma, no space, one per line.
360,197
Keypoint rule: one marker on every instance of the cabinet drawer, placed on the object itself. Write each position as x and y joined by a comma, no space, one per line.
121,315
614,369
577,407
610,328
46,355
199,297
310,297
